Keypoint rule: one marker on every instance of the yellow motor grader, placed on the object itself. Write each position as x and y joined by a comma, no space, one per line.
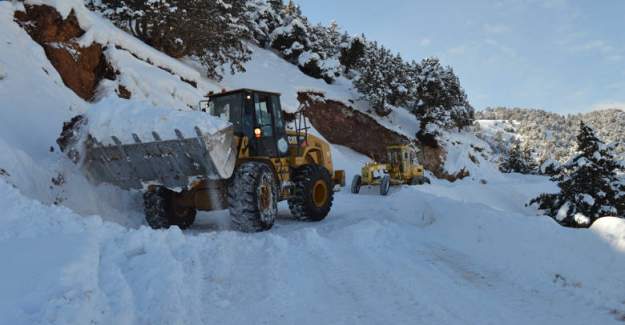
246,168
402,168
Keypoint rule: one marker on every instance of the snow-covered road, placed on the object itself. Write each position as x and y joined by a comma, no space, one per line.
423,254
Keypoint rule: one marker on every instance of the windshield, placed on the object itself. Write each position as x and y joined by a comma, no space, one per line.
394,156
227,108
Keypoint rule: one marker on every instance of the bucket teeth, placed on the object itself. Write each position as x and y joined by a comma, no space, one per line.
167,162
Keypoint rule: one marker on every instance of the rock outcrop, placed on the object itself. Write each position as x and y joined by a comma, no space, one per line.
81,68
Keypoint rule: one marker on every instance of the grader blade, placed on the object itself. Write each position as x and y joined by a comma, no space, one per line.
171,163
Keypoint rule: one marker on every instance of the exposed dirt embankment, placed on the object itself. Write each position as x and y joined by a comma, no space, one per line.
343,125
81,68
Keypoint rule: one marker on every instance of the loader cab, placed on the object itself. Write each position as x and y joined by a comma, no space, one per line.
256,115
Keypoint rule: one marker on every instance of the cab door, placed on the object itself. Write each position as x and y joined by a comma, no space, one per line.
282,141
269,131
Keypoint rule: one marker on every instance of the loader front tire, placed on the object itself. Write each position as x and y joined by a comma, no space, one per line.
253,197
312,193
161,211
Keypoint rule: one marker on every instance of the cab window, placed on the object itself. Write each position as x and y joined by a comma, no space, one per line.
227,108
277,112
263,115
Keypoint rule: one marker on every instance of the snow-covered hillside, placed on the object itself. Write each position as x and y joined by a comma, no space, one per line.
552,135
499,134
451,253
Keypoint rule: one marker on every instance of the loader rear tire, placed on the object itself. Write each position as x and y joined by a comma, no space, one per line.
312,194
253,197
162,213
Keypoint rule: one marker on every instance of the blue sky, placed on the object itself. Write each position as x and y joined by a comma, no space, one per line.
560,55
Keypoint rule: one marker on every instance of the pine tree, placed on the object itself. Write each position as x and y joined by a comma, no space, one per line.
263,18
292,38
276,5
213,31
590,187
320,59
518,160
292,9
399,80
549,167
375,78
440,101
353,53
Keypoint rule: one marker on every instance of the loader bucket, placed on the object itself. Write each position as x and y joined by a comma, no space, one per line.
171,163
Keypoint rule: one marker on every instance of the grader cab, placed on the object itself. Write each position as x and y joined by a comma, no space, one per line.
247,168
402,167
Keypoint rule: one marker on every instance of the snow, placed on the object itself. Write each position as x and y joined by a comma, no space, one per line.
102,31
588,199
447,253
467,152
32,117
122,118
149,83
39,110
3,73
413,256
563,212
145,71
612,230
581,219
497,132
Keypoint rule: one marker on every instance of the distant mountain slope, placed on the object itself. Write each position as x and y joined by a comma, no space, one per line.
552,135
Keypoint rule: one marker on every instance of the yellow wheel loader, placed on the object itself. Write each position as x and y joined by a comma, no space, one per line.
402,168
247,168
